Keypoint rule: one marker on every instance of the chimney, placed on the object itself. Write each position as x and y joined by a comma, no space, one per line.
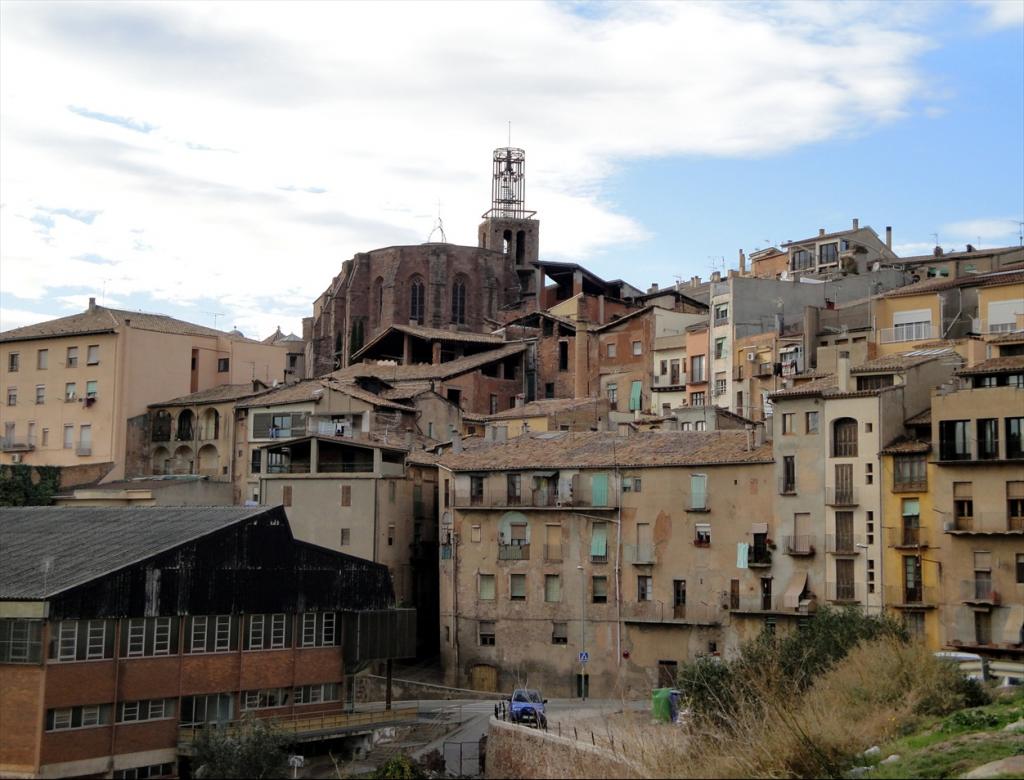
843,372
500,433
520,401
970,248
856,224
759,434
92,305
812,324
743,263
653,288
937,252
456,442
821,231
888,236
716,276
695,281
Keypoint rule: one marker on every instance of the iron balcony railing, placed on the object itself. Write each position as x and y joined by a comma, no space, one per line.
758,603
912,331
759,557
979,591
841,496
911,596
909,536
987,522
659,612
800,544
845,592
17,443
532,499
513,552
844,544
668,380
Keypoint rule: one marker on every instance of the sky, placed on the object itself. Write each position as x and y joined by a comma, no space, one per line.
219,161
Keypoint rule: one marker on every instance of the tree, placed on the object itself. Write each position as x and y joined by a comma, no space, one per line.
22,485
253,748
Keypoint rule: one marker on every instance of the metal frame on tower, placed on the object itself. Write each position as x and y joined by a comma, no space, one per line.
508,185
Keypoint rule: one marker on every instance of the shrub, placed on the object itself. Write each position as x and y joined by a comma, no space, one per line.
398,768
255,748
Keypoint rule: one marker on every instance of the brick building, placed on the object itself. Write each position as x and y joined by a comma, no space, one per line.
124,630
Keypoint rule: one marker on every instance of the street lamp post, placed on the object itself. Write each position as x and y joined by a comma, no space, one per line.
583,631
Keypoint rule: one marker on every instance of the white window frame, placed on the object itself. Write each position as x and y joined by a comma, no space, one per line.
251,700
162,636
309,629
67,641
197,640
256,632
62,718
157,709
136,637
222,634
278,632
328,629
131,712
91,715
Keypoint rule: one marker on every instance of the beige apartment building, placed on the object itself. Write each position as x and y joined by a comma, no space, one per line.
643,551
76,389
979,493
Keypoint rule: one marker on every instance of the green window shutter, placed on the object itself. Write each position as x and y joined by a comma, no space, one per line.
599,490
599,540
634,395
261,426
698,491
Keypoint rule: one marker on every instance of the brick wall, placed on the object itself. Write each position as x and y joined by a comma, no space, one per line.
20,728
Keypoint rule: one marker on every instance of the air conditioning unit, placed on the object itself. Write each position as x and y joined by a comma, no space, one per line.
751,357
16,457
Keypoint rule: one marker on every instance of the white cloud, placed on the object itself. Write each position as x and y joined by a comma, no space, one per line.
283,138
1002,14
988,230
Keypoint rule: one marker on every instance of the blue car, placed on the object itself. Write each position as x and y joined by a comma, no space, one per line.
526,706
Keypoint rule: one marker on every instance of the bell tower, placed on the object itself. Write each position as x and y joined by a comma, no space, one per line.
508,226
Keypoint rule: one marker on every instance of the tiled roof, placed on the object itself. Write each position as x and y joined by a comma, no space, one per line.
994,279
624,317
278,337
1013,337
217,394
543,407
1010,363
391,372
977,253
924,418
100,319
405,392
608,450
308,391
903,360
46,550
905,446
439,334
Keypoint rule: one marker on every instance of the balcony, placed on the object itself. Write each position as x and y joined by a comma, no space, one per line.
841,496
985,327
912,331
534,499
801,544
759,558
763,369
917,597
979,591
909,485
639,554
663,381
844,544
513,552
844,592
553,553
759,603
659,612
18,444
83,449
908,537
985,523
787,486
288,468
599,557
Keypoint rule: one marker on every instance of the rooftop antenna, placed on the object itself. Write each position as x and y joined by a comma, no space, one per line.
439,227
510,133
1020,232
215,315
936,237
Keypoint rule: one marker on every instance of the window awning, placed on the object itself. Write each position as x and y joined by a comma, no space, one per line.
759,528
797,585
1013,624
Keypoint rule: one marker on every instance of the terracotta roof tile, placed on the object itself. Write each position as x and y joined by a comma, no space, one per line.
1013,337
924,418
904,360
543,407
307,391
1010,363
214,395
608,450
996,278
905,446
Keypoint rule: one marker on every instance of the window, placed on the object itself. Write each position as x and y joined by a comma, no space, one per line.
46,437
812,422
638,348
801,259
828,254
91,388
844,438
876,382
697,368
255,632
198,640
476,490
92,355
85,440
611,349
1015,506
223,365
702,535
954,440
255,459
788,423
13,361
613,396
40,394
1020,568
982,628
1015,437
42,358
147,709
599,542
721,313
988,439
69,436
346,495
459,302
698,491
346,537
963,505
417,298
720,386
788,474
673,367
697,399
559,633
70,392
72,358
845,588
486,632
517,587
513,489
78,717
136,637
552,587
485,587
494,403
644,587
599,590
21,641
910,472
635,395
12,396
679,593
720,348
318,629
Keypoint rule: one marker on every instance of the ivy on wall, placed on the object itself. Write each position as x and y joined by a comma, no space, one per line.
22,485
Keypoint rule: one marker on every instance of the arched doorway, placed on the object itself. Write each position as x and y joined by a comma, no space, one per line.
209,462
161,461
183,461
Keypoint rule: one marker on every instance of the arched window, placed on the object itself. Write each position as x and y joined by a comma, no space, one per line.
459,302
520,247
506,241
210,427
417,300
378,301
844,438
185,420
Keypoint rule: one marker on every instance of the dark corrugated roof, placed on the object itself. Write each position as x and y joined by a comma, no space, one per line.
46,550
